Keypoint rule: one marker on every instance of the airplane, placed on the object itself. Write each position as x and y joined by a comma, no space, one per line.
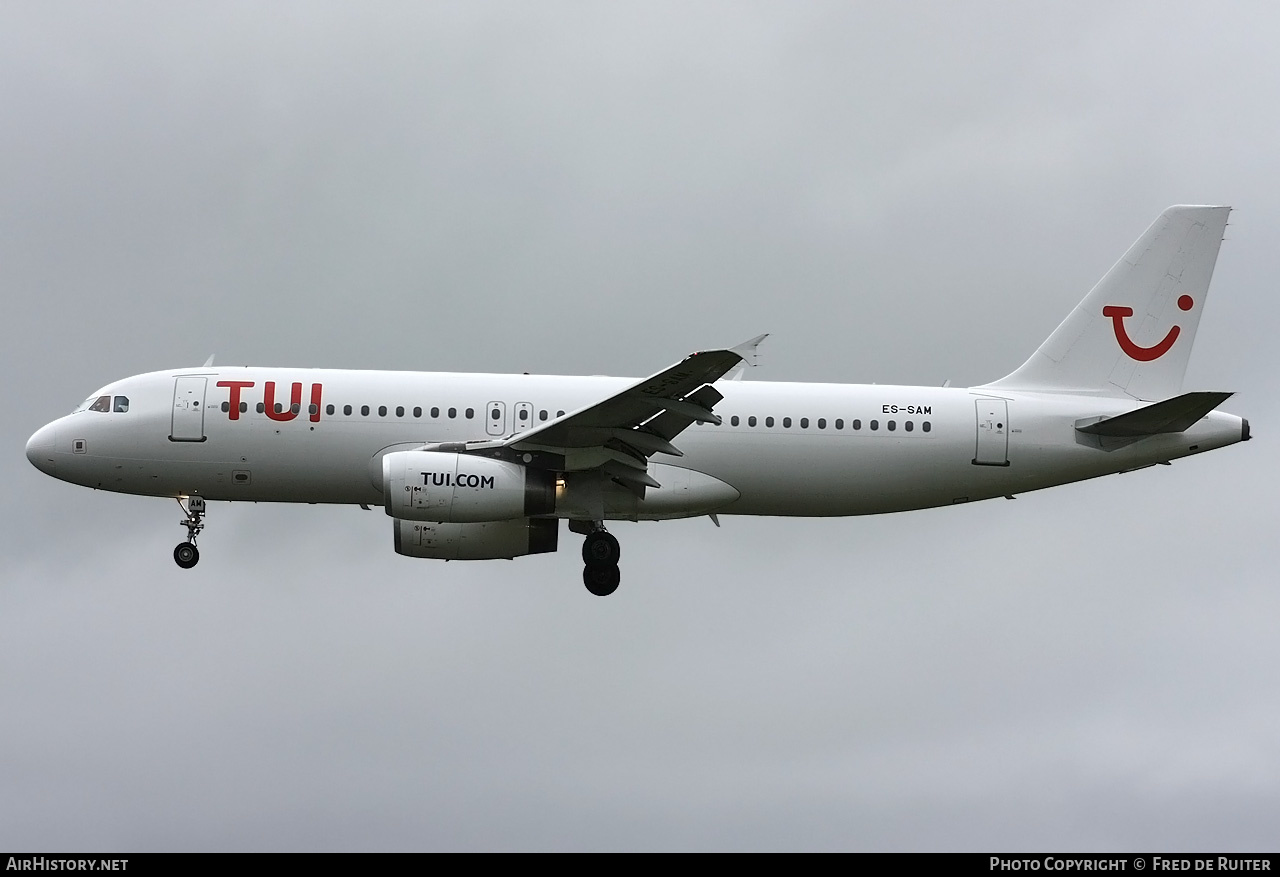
485,466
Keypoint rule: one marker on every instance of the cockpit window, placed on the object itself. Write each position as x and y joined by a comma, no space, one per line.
102,403
122,404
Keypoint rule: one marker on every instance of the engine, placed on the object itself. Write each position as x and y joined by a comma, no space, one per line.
491,540
460,488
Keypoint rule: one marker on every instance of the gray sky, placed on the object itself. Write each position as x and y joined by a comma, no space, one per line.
902,193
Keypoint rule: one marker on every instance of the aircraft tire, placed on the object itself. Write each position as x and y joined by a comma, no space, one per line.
600,548
601,580
186,555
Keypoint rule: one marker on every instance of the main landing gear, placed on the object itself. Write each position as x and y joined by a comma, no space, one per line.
186,555
600,553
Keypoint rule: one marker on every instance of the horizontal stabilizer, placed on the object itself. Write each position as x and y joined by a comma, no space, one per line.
1172,415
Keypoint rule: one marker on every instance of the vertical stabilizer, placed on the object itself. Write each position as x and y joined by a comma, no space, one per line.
1132,334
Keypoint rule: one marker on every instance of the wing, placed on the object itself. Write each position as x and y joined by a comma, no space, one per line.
617,435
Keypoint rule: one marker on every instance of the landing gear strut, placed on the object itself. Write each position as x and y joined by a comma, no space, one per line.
600,553
186,555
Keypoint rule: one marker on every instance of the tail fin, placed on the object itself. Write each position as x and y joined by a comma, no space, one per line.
1132,334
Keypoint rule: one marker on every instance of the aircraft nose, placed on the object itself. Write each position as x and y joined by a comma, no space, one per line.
40,449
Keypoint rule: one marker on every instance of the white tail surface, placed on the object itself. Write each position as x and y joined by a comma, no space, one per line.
1132,334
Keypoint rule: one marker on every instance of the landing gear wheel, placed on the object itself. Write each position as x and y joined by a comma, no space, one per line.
601,549
186,555
601,580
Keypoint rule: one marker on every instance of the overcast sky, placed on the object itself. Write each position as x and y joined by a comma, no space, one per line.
903,193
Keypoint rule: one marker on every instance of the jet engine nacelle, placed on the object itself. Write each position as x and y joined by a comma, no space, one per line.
457,488
492,540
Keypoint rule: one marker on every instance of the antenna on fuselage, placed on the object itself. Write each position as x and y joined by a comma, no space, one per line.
208,362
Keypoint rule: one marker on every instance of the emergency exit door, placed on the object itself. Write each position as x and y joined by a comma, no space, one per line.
522,417
495,418
993,433
188,410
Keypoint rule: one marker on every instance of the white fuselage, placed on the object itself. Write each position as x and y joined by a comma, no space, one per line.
783,448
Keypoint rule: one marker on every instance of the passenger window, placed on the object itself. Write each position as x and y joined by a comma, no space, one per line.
495,415
102,403
542,415
313,408
751,421
399,411
295,407
471,412
329,409
892,425
244,407
822,423
875,424
925,426
435,412
453,412
908,426
804,423
839,423
768,421
524,415
417,412
279,408
382,410
857,424
346,409
122,404
262,409
364,410
559,414
786,422
733,421
226,406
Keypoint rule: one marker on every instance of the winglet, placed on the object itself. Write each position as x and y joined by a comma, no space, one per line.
749,352
208,362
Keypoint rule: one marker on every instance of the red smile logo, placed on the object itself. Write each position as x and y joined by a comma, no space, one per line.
1117,313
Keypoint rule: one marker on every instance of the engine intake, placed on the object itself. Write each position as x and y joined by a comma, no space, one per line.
459,488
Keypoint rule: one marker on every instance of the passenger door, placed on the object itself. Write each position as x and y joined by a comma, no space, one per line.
188,410
993,433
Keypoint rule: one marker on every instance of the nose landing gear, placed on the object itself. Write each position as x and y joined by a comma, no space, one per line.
600,553
186,555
